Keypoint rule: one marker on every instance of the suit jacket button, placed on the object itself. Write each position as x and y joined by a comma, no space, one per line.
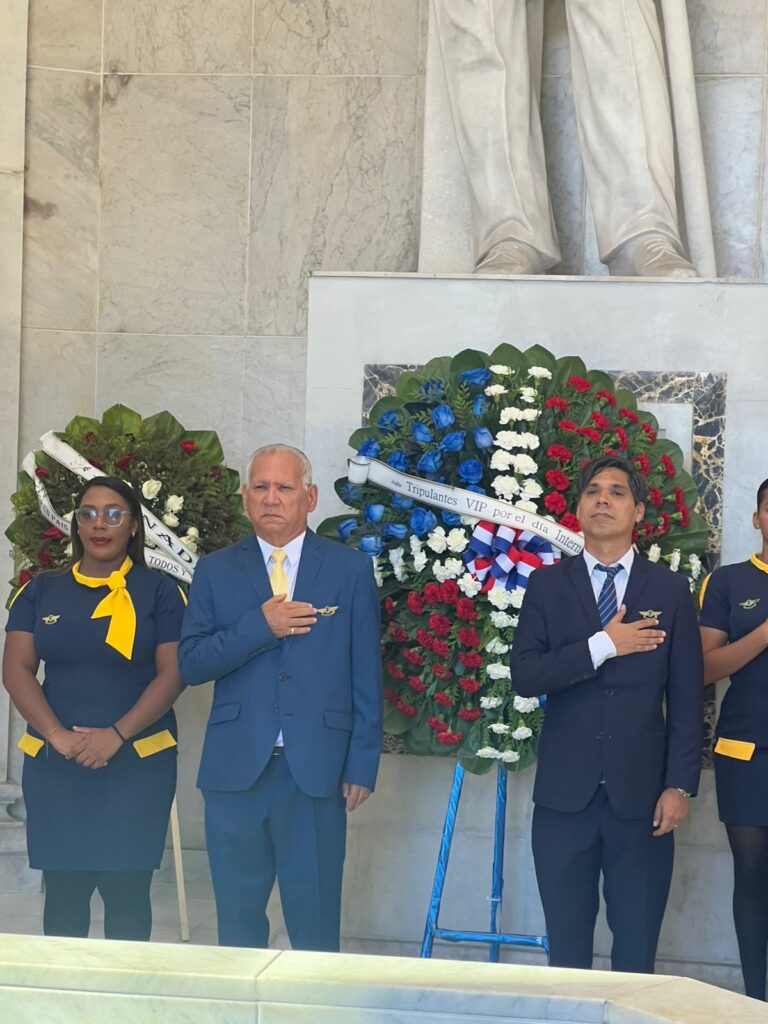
275,707
609,693
282,676
599,736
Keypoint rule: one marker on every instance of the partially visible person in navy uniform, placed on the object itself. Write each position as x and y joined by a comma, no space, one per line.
734,633
100,766
612,640
287,623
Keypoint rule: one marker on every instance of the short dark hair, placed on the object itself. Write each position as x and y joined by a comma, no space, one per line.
126,492
761,491
634,479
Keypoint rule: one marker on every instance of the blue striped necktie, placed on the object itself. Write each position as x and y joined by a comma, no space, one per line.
607,605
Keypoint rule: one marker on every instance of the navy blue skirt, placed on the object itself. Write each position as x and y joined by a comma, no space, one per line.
742,789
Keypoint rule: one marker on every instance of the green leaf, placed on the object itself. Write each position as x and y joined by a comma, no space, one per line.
208,444
469,359
471,763
163,427
395,722
119,419
568,366
78,427
537,355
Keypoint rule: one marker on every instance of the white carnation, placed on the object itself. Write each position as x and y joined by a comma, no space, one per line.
505,486
503,371
469,586
174,503
377,571
438,571
506,439
516,597
457,540
436,540
501,620
511,414
654,553
540,373
522,732
415,544
496,646
495,389
695,564
454,567
524,465
490,703
170,520
419,561
400,572
527,506
151,488
498,671
525,704
489,752
192,531
396,556
528,394
499,598
189,541
501,460
509,756
531,488
68,516
68,550
674,560
499,728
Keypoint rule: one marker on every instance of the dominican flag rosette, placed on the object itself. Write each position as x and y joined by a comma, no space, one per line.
461,487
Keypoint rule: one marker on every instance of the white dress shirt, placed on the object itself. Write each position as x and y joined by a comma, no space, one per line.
601,647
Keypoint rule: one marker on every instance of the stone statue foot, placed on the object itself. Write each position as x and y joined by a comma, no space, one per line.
652,254
512,257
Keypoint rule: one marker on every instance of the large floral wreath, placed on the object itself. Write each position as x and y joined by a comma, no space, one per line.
191,499
516,426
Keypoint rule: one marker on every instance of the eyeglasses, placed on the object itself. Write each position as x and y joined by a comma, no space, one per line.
111,517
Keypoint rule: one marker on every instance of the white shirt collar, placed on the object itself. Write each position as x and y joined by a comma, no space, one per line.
626,560
292,549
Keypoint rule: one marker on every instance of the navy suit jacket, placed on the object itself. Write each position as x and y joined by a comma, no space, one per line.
322,689
637,721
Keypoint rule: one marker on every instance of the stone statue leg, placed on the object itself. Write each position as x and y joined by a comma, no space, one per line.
625,129
495,108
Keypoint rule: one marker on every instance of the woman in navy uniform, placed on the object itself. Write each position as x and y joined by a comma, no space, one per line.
100,765
734,631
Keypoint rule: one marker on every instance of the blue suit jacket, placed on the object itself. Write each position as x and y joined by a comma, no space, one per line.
637,720
322,689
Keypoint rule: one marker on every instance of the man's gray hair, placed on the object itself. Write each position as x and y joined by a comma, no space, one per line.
276,449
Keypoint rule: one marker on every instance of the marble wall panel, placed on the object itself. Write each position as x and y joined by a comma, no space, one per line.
174,163
65,34
731,111
274,382
177,36
332,187
557,54
61,200
347,37
727,36
565,173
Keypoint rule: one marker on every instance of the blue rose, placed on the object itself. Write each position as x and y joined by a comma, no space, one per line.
442,416
389,421
433,389
479,405
374,513
398,530
350,493
483,437
422,521
398,460
371,545
478,376
450,519
421,433
454,441
429,462
471,471
370,449
400,501
346,527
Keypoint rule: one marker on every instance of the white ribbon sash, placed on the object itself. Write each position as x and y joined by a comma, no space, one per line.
362,470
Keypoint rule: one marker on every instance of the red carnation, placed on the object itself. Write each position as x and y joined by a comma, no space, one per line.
469,636
96,463
125,460
416,684
668,466
470,659
622,436
570,522
216,471
415,602
649,432
53,533
679,497
412,656
647,529
655,497
42,472
590,433
607,396
440,648
389,605
555,402
431,593
643,464
684,515
440,624
567,425
470,714
465,609
24,577
469,685
442,698
600,421
559,453
437,724
45,557
663,525
580,384
450,739
407,709
425,639
555,503
188,446
557,479
628,414
441,671
90,436
449,591
394,670
397,635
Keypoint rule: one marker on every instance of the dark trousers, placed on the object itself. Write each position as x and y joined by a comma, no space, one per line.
127,908
570,850
274,830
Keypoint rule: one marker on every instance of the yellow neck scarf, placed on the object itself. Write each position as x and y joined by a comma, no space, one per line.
758,563
117,605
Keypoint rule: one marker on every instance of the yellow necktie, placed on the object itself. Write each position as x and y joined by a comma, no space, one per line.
117,606
278,577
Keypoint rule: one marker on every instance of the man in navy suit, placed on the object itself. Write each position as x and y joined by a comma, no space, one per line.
612,640
287,623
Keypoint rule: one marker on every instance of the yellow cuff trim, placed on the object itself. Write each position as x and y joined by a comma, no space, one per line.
739,749
154,744
30,744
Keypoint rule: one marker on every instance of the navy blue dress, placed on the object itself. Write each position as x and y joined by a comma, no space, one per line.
114,818
736,602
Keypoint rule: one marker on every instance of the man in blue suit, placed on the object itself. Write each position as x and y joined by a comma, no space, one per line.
612,640
287,623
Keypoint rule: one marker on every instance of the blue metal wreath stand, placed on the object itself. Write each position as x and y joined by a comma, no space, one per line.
493,938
